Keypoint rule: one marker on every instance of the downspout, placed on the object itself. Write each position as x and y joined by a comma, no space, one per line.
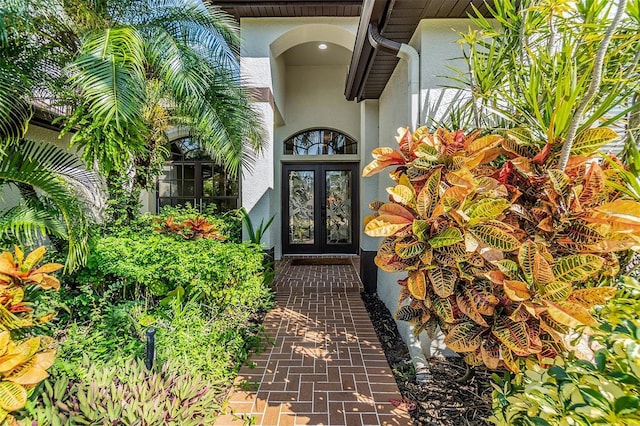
409,54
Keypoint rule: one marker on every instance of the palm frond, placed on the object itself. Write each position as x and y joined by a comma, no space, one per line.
27,164
28,225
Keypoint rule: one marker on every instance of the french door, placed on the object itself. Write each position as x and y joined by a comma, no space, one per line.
320,208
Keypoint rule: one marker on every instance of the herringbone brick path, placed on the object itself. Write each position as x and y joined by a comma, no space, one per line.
326,366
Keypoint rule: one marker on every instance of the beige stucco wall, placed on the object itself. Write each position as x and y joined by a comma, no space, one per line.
435,41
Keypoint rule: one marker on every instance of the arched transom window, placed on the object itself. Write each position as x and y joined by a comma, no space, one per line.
320,142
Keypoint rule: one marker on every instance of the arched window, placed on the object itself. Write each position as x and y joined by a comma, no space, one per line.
191,176
320,142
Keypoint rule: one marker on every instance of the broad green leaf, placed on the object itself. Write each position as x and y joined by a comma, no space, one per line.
556,291
495,237
426,152
487,209
577,267
521,135
526,258
509,268
443,281
443,309
464,337
590,140
421,229
409,248
448,237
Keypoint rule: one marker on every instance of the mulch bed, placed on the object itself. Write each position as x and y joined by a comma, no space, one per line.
441,401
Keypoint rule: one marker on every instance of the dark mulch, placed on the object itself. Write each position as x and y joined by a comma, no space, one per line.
441,401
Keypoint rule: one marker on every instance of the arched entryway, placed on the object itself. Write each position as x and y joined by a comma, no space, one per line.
320,198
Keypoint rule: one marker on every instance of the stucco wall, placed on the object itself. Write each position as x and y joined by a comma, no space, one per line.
439,51
435,41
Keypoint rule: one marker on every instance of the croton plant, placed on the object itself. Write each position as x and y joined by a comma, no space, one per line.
503,251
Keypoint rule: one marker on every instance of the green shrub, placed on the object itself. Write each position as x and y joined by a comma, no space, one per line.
228,223
126,394
211,294
160,264
112,335
199,340
579,392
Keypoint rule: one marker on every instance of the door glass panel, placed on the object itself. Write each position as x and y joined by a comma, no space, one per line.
301,208
338,204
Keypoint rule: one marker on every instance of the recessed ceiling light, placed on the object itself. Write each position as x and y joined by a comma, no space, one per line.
322,46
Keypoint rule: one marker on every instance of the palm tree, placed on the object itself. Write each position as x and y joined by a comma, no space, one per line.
188,50
129,70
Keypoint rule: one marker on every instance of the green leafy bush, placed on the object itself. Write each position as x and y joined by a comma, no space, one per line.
126,394
578,392
228,224
159,263
197,340
203,297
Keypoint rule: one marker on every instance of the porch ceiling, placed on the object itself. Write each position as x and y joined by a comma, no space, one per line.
290,8
397,20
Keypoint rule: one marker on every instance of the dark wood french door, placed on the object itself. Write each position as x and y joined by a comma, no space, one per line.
320,208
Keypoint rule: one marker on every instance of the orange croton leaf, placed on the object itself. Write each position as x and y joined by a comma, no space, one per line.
386,225
383,158
395,210
569,314
517,291
622,215
589,297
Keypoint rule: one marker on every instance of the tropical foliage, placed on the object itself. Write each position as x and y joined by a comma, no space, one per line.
125,394
56,191
603,391
22,364
534,63
190,229
501,249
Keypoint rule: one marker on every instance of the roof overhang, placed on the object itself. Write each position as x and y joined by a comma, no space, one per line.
289,8
396,20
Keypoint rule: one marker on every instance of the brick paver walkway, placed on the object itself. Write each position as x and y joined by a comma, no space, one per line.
326,366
